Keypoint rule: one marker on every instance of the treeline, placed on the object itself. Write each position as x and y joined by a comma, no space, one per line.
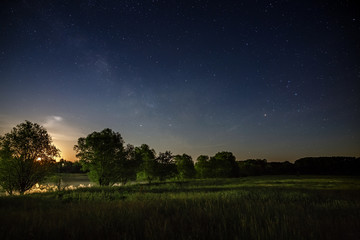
218,166
27,157
328,165
64,166
309,165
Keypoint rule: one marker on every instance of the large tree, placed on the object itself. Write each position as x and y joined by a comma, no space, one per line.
165,166
148,165
185,166
26,157
202,167
130,165
103,154
223,164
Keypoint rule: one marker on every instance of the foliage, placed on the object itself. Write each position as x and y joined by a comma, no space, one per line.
161,167
203,167
146,157
165,166
103,154
20,151
252,167
277,168
130,166
185,166
223,164
310,165
328,165
65,166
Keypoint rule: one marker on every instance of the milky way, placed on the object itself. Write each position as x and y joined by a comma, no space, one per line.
263,79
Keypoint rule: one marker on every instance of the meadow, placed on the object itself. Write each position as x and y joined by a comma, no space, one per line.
266,207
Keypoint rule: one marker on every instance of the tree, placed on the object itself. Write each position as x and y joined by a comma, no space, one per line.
146,159
104,156
328,165
223,164
130,166
64,166
277,168
26,157
252,167
202,167
185,166
165,166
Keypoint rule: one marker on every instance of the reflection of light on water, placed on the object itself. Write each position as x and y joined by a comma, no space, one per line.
39,188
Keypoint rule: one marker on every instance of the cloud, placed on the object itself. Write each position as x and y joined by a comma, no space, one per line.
58,118
64,135
60,130
52,121
233,128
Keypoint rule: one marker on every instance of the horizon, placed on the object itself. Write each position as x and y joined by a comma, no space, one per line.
263,80
72,153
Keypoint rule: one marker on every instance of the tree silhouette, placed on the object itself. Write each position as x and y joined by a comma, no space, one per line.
185,166
26,157
165,166
104,156
328,165
253,167
146,158
202,167
223,164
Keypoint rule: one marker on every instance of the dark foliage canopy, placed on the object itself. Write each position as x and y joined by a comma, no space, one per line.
26,157
103,154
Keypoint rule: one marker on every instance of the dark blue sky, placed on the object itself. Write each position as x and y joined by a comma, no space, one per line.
263,79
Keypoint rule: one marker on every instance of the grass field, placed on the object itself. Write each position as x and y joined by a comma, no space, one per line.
269,207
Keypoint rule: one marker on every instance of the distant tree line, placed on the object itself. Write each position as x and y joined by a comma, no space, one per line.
27,157
204,168
328,165
309,165
64,166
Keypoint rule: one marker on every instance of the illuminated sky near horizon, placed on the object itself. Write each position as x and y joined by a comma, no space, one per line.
263,79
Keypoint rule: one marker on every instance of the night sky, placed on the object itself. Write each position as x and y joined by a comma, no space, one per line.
263,79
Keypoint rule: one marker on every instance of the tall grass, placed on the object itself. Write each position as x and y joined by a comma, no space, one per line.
248,208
